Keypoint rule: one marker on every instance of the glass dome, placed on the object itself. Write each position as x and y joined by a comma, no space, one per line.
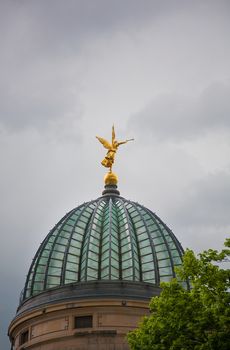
106,239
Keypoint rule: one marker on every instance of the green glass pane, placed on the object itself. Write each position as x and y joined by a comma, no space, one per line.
57,255
177,260
127,272
28,293
129,278
136,219
174,253
115,263
75,243
41,269
59,248
43,260
148,266
136,263
80,224
88,211
158,240
82,276
163,263
145,243
126,263
125,241
49,245
148,275
39,277
106,233
145,250
74,250
94,255
146,258
71,266
104,272
54,281
114,248
71,275
64,234
55,263
125,235
54,271
94,240
142,234
163,255
127,255
92,263
166,278
106,245
171,245
70,221
165,271
153,227
151,280
139,224
78,231
114,271
67,228
38,286
62,240
72,258
105,255
160,247
114,255
68,281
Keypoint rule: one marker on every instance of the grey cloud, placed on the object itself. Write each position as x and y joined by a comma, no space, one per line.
44,51
36,106
178,117
74,20
205,203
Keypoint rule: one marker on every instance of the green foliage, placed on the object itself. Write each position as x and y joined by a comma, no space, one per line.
197,318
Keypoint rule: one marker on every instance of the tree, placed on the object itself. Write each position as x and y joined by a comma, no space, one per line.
197,318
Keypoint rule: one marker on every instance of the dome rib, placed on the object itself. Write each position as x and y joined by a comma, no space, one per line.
35,262
157,280
102,247
175,242
64,266
86,243
119,244
165,241
100,244
110,234
109,257
132,236
48,266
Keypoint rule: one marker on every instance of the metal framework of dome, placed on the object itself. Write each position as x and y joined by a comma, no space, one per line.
107,239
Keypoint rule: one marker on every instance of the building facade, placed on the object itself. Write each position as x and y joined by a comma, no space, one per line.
92,278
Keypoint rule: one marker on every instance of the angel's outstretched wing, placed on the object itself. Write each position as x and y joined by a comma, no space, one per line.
113,134
104,142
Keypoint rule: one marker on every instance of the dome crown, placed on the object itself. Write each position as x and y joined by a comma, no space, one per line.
109,238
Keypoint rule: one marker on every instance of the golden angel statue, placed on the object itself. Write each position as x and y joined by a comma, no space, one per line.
112,149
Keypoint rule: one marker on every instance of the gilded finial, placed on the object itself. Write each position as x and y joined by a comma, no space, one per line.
108,161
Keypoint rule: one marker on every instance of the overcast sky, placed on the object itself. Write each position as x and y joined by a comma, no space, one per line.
158,70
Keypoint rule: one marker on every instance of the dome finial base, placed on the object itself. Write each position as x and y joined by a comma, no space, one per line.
111,179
